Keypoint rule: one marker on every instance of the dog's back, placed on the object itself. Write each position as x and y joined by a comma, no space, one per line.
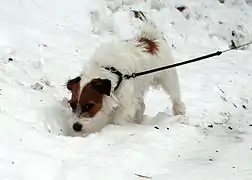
148,49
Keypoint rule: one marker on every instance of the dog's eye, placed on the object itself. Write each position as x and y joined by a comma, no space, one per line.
87,107
73,106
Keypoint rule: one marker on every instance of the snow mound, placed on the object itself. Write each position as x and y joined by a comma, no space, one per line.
44,43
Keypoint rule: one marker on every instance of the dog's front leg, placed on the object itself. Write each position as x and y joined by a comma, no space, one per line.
125,115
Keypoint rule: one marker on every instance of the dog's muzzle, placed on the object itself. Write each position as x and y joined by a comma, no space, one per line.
77,127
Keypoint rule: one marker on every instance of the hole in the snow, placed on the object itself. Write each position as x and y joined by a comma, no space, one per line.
57,119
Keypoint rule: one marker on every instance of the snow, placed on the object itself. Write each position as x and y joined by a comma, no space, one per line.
44,43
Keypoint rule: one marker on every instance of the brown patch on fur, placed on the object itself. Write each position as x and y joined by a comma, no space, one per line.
88,101
73,85
149,45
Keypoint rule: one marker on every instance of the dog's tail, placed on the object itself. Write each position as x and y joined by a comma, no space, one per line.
148,28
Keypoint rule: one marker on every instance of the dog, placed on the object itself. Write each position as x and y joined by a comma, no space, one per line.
101,94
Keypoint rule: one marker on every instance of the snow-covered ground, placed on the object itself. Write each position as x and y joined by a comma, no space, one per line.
44,43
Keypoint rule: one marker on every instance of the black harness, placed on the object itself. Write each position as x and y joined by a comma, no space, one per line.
120,75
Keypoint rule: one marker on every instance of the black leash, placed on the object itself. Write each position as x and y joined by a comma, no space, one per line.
134,75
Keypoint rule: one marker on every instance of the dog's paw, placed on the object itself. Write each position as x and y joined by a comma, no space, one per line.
183,120
138,120
179,108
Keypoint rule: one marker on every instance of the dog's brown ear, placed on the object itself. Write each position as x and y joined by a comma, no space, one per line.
72,82
103,86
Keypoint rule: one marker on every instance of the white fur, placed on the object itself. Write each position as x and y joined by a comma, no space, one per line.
126,105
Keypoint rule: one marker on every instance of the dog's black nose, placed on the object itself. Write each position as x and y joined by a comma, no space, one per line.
77,127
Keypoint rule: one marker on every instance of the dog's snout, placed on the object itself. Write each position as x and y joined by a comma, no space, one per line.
77,127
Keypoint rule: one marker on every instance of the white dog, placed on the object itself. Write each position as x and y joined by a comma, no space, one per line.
101,97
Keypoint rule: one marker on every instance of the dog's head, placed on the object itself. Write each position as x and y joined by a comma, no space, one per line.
87,100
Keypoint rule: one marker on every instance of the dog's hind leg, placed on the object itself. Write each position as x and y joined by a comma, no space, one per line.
170,83
140,112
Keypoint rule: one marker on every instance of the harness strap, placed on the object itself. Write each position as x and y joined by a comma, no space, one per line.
118,73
